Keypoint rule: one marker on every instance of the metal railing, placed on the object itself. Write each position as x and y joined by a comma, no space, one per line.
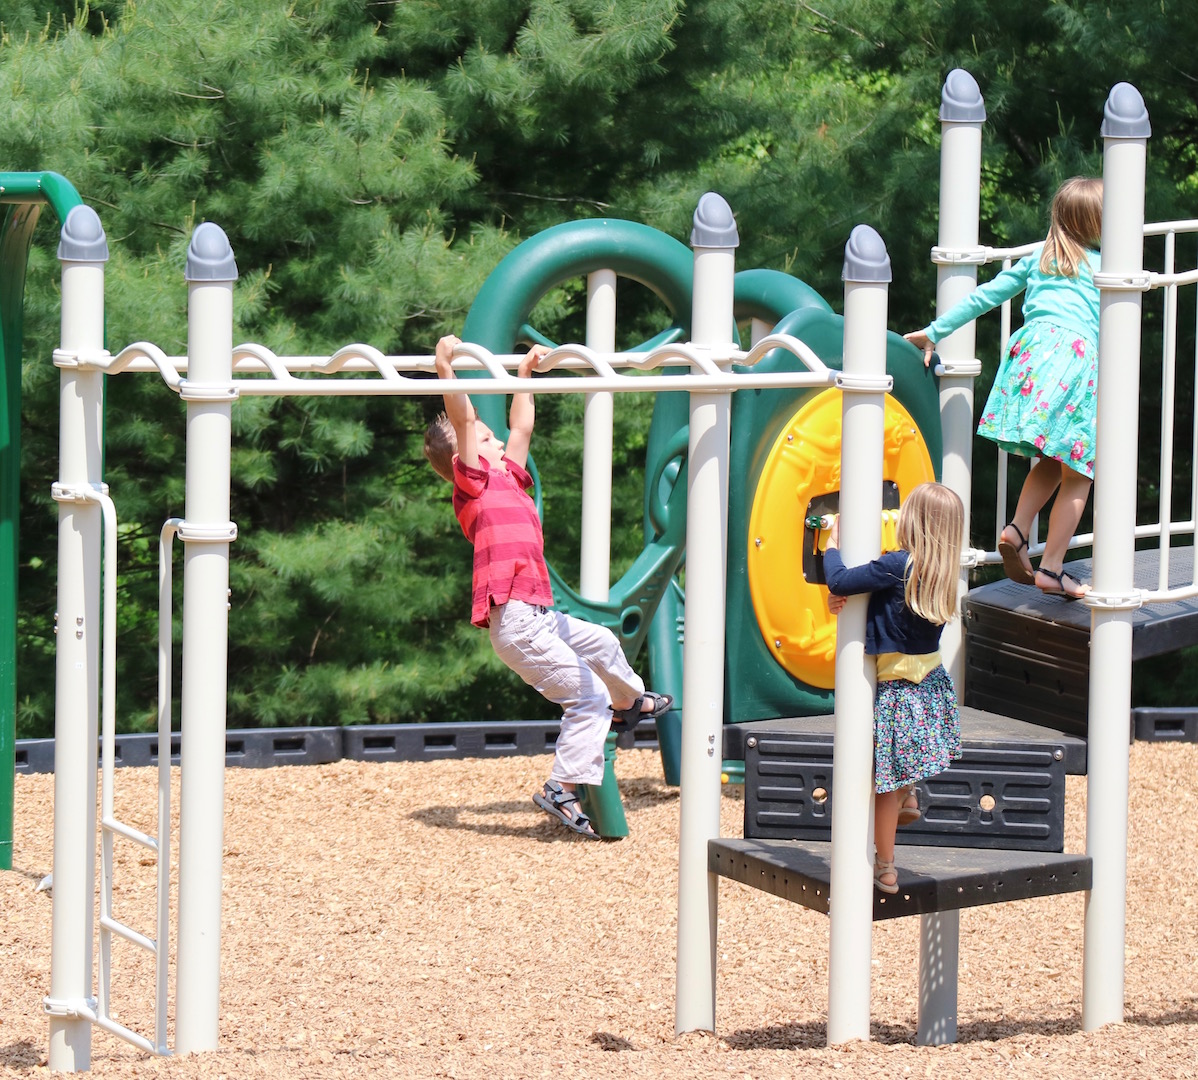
1168,280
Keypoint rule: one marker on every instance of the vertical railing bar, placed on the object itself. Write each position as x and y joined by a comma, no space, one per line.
165,658
594,582
1168,405
108,747
1194,456
1001,516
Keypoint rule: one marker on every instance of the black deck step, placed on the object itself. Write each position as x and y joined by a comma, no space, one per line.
930,879
1008,789
1029,654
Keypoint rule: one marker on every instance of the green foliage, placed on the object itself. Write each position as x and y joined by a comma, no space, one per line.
372,163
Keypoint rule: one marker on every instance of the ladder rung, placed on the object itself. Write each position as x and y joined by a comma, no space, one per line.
129,935
122,1032
142,838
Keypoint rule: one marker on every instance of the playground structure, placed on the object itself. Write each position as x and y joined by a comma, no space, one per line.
715,368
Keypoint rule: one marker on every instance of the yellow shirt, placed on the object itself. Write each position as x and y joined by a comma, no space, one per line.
913,668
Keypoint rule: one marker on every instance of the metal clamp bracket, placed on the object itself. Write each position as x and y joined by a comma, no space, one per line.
70,1008
959,368
82,358
193,391
864,384
222,533
1135,281
971,557
1115,601
61,492
946,256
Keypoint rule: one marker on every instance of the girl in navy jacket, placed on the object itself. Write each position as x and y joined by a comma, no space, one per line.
913,593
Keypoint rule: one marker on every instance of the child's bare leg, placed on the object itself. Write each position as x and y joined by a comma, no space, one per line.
886,810
1043,479
1062,524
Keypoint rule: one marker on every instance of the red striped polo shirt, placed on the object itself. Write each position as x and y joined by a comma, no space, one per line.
500,520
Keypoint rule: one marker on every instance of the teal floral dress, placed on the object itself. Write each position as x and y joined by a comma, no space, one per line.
1044,401
1044,398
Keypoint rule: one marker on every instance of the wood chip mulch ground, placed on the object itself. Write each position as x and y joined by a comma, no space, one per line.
424,920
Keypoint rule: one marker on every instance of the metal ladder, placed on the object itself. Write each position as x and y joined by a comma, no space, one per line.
110,827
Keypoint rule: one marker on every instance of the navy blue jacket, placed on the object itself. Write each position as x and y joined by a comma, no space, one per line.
890,626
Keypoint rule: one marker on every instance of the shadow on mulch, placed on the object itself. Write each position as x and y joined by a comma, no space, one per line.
814,1035
540,827
605,1040
32,875
20,1055
1186,1015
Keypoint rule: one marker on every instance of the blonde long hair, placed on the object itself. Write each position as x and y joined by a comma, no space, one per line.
931,525
1076,226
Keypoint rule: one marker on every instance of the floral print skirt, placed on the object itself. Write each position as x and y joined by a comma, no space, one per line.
1044,401
917,730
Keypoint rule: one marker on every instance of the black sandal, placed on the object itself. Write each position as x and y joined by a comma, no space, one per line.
1062,592
564,805
627,719
1012,564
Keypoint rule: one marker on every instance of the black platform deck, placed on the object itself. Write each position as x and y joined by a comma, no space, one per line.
930,879
1006,791
978,728
1029,654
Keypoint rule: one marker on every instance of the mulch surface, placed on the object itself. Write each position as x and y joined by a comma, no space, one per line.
425,920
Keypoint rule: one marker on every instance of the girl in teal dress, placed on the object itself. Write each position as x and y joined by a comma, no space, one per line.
1043,403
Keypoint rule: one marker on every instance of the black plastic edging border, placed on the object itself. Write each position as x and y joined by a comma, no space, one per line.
260,748
1175,724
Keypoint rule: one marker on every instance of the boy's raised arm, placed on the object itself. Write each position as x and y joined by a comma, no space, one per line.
522,416
457,406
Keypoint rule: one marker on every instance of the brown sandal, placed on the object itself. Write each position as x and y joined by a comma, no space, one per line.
1012,564
883,869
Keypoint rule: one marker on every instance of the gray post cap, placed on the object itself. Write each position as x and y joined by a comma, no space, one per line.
865,257
83,238
714,225
209,256
961,100
1124,115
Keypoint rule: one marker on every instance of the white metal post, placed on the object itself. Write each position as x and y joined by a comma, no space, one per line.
1125,129
82,251
714,240
939,962
206,533
595,556
957,255
864,382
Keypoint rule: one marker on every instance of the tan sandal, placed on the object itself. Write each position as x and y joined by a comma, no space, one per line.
884,869
909,812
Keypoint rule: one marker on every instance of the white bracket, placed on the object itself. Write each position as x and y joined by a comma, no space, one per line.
864,384
1136,281
964,369
1115,601
70,1008
974,256
192,391
98,359
224,532
61,492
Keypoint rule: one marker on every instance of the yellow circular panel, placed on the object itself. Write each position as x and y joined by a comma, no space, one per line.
804,465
